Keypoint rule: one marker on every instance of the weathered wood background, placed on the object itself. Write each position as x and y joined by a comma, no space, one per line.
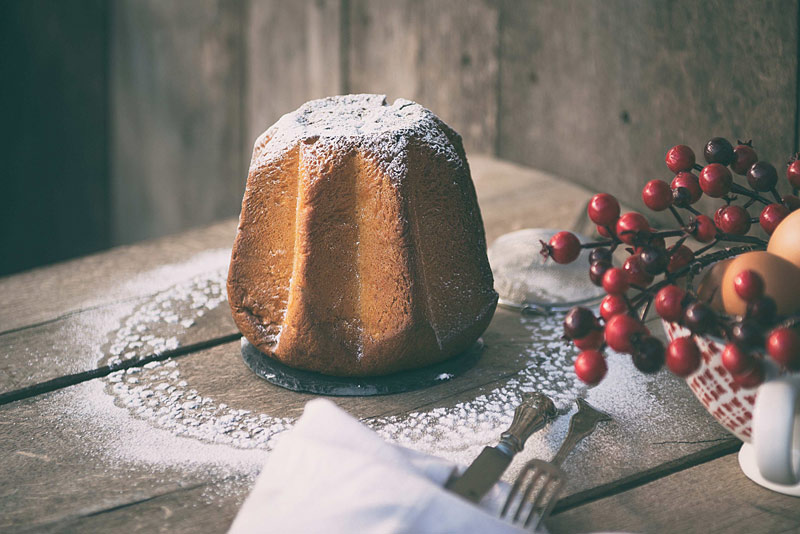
135,118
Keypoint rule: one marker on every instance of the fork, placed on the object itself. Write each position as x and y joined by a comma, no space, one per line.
541,482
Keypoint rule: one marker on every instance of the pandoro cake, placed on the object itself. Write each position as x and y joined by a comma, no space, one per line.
360,249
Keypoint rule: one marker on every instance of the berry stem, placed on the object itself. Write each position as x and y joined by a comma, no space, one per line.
677,215
739,190
776,196
705,248
742,239
596,244
668,233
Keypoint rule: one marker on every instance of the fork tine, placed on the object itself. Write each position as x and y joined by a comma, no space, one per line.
558,483
529,487
513,492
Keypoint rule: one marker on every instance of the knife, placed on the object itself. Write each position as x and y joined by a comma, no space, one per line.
534,412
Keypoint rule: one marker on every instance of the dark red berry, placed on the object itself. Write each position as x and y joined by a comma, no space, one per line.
764,310
654,259
680,258
669,303
600,254
771,216
793,174
734,220
597,270
622,332
615,281
603,209
564,247
762,176
590,366
736,360
783,345
657,195
745,156
612,305
718,216
680,158
683,356
700,318
579,322
715,180
747,334
752,378
636,273
791,201
749,285
681,197
632,226
649,357
690,182
593,340
704,230
719,150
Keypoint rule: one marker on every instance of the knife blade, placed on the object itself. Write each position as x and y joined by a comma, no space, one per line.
531,415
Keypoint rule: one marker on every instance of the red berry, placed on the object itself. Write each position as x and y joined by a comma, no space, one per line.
657,195
715,180
705,231
680,158
603,231
620,331
680,258
791,202
752,378
615,281
669,303
749,285
690,182
635,271
718,216
683,356
734,220
603,209
783,344
736,360
745,157
649,357
771,216
590,366
592,341
632,225
613,305
564,247
762,176
793,174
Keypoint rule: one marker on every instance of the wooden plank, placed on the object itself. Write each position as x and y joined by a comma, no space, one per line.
54,140
597,92
711,497
64,336
176,115
293,54
65,452
47,293
440,54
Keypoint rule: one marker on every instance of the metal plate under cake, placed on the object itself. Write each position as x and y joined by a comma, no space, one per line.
303,381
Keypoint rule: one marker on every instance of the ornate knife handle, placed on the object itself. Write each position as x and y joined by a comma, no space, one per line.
534,412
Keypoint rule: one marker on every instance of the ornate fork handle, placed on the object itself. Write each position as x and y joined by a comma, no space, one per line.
581,425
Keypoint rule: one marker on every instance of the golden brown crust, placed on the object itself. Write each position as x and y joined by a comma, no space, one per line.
355,260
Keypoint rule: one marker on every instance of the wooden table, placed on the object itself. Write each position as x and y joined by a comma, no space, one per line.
87,449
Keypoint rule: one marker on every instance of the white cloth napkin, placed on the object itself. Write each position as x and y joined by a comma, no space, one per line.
332,474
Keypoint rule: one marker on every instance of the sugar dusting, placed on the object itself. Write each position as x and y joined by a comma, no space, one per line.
153,417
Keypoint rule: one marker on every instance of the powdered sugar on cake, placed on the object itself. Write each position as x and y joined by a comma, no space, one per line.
366,120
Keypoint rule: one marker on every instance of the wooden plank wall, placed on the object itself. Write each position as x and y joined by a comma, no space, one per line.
592,91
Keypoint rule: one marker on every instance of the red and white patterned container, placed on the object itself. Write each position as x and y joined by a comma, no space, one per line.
713,385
